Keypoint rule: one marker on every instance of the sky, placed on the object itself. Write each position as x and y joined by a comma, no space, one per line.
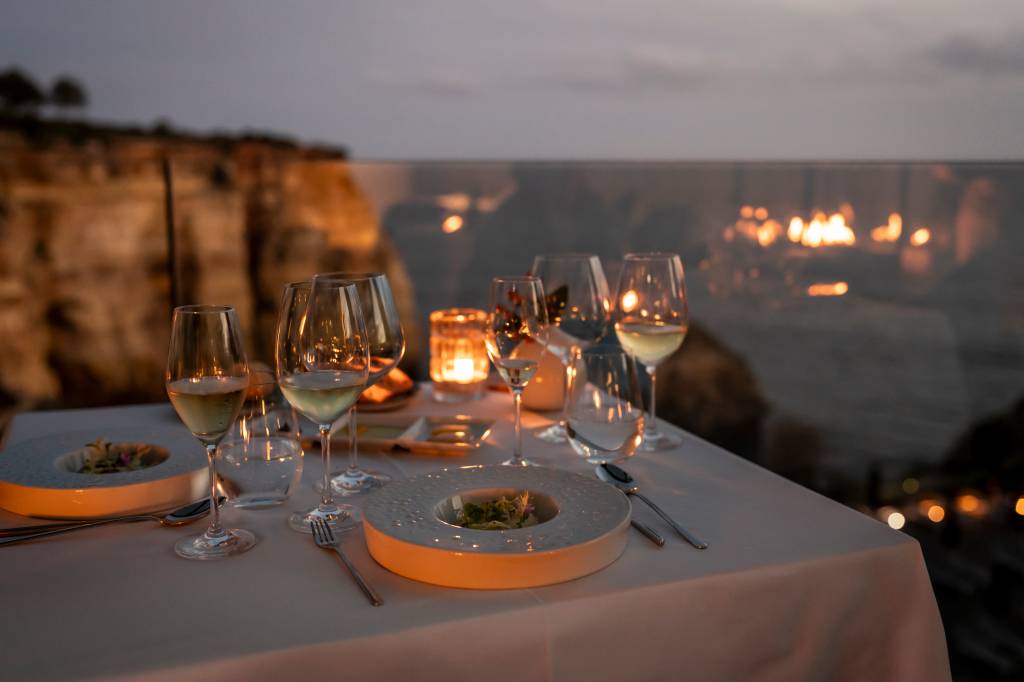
547,79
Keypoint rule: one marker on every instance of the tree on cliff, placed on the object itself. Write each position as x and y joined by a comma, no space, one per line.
68,93
19,94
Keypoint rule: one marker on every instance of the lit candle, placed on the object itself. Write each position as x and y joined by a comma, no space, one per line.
458,357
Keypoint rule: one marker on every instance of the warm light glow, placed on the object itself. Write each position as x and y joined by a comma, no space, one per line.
920,236
746,212
463,371
828,289
630,300
889,232
768,232
936,513
896,520
911,485
452,223
968,503
796,229
1019,507
761,213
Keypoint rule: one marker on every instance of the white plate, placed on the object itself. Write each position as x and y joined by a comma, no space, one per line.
35,482
407,534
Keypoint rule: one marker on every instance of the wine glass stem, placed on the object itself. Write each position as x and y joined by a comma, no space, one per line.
517,452
353,444
651,425
325,454
566,383
211,457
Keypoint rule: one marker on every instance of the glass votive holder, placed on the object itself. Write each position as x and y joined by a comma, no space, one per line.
259,462
458,357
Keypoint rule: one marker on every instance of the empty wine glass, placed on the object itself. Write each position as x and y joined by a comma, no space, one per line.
651,320
386,345
322,367
578,309
604,414
516,320
207,377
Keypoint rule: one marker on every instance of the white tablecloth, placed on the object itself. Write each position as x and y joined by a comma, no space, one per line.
793,587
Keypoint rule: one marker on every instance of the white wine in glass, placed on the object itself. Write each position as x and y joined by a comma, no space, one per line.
651,320
207,377
517,318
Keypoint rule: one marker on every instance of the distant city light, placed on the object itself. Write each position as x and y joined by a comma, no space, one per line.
889,232
746,211
936,513
1019,508
896,520
968,503
452,223
761,213
920,236
828,289
911,485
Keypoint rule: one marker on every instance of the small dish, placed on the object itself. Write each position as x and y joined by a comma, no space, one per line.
42,477
458,435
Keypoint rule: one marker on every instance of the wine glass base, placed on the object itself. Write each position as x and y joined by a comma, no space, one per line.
523,462
341,517
660,441
358,482
206,547
554,434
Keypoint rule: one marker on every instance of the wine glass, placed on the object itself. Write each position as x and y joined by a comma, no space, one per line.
322,367
651,320
386,345
578,309
604,413
516,321
207,377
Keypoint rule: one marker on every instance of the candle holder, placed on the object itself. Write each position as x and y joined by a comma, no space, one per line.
458,357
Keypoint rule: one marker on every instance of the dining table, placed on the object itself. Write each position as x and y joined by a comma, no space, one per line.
793,586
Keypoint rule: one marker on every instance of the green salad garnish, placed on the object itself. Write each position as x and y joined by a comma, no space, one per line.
504,513
102,457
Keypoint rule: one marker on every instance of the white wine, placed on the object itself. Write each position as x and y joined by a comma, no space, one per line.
601,442
208,405
650,342
323,396
515,371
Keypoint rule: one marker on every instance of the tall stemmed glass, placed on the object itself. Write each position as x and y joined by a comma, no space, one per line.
207,376
516,319
651,320
322,367
386,345
578,308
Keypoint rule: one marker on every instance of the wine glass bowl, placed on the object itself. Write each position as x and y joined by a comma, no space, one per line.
516,323
651,320
604,415
206,379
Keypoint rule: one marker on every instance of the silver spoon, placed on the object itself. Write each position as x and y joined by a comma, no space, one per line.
617,476
178,517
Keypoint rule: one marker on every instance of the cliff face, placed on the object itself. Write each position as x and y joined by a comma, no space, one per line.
84,290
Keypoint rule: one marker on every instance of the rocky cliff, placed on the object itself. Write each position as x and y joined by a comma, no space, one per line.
84,285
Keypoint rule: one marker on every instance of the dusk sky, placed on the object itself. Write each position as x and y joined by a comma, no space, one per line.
547,79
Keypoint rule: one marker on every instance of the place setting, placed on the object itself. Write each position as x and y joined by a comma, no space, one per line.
525,522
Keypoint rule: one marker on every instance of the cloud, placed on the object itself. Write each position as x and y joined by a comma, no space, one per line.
647,69
435,83
972,54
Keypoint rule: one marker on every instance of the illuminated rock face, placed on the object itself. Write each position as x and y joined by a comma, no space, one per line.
84,289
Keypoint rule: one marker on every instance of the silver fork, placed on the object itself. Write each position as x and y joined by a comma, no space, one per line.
324,538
